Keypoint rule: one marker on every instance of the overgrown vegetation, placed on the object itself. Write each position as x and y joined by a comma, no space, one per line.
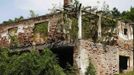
14,38
71,70
14,41
128,73
29,63
89,22
33,62
41,27
17,19
89,25
128,15
74,29
10,21
45,62
91,69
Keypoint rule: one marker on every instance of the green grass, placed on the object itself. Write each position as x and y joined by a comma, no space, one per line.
128,73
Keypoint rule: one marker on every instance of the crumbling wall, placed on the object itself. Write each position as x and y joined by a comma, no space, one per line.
125,34
104,58
24,32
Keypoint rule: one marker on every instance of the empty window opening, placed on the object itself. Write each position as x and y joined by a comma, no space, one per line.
123,63
125,31
41,28
64,55
12,31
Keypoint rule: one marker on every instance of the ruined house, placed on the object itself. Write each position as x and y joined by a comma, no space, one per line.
51,31
108,60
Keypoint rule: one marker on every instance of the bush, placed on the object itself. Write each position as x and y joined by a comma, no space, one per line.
29,63
71,70
91,69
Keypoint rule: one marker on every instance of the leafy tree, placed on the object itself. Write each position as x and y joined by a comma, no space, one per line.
13,20
116,13
33,14
105,9
128,15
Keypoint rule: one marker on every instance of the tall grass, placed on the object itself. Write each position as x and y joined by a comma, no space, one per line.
128,73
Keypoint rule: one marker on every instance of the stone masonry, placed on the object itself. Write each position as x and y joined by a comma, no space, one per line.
23,30
104,58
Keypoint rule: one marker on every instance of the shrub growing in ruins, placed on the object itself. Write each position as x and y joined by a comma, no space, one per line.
91,69
29,63
71,70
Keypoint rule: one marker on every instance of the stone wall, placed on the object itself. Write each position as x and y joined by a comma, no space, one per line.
24,31
125,34
127,53
104,58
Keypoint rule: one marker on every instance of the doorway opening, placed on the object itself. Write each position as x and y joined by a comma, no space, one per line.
64,55
123,63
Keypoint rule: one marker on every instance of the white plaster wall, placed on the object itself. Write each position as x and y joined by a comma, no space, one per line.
5,34
49,26
125,37
121,35
82,60
121,27
20,29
